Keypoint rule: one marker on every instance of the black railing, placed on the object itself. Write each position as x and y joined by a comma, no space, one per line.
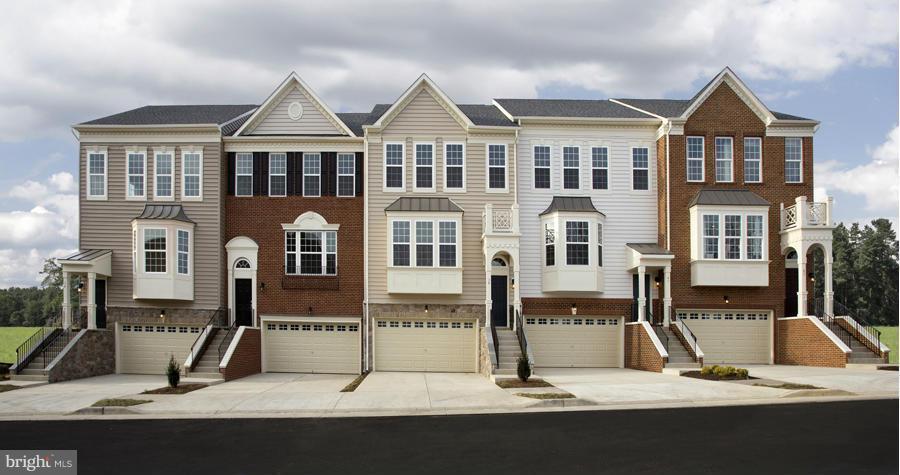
660,331
229,336
29,348
216,320
523,338
864,333
690,337
495,339
55,345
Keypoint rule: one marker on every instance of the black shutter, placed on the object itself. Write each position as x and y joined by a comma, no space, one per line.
231,173
256,173
290,174
359,173
330,174
298,173
263,173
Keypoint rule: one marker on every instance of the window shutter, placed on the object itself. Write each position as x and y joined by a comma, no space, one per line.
256,173
290,174
329,173
263,173
298,173
231,166
359,173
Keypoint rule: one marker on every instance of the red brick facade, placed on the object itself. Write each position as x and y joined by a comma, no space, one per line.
640,352
246,359
586,306
801,342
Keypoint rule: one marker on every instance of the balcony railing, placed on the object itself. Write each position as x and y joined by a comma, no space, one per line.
804,214
500,220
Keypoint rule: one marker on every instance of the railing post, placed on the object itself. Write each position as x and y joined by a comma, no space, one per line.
642,299
488,219
67,301
802,211
828,205
781,216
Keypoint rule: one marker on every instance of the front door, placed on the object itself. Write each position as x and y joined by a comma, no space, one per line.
100,301
647,303
790,292
243,302
499,300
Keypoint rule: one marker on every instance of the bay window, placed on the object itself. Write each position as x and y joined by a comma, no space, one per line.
184,247
710,236
728,245
424,244
600,244
549,245
162,259
577,238
155,250
432,249
754,237
447,240
732,236
400,240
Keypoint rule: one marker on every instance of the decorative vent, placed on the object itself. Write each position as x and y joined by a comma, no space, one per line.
295,111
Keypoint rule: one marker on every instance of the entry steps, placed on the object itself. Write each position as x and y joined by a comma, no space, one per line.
678,354
37,368
508,352
208,366
861,353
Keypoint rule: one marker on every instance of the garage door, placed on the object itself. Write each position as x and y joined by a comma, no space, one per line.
311,347
411,345
146,349
731,337
570,342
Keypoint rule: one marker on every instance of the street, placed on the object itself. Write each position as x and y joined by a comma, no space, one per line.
842,437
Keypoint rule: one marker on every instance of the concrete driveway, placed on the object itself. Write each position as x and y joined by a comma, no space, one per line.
865,382
63,398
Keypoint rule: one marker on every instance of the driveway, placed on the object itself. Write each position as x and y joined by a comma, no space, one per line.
859,381
63,398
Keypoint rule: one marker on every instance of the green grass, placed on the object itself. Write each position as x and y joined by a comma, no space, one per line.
10,339
889,338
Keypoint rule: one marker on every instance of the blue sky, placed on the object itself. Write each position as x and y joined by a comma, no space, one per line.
73,61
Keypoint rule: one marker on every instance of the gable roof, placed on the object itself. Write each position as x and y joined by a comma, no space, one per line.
423,82
575,204
199,114
573,108
293,80
713,196
425,204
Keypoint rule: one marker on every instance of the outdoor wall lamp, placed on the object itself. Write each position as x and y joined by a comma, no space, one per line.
574,309
162,314
812,277
262,286
309,311
726,299
80,287
512,283
656,279
426,309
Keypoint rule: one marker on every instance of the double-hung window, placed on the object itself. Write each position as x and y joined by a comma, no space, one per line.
754,237
137,174
496,167
424,244
793,160
310,252
549,245
541,166
400,243
454,166
394,169
163,161
424,167
600,168
710,236
447,243
600,244
640,168
571,168
577,238
192,174
724,159
346,163
695,152
184,248
277,174
155,250
312,169
96,172
752,160
732,236
243,174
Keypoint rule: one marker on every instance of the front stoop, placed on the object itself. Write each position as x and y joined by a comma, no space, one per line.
508,352
679,357
861,354
208,365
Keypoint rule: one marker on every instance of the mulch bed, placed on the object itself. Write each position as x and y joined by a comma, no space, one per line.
180,389
8,387
713,377
355,383
516,384
888,368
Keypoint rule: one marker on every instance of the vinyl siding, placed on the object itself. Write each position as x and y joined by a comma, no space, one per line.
107,225
312,122
631,216
424,120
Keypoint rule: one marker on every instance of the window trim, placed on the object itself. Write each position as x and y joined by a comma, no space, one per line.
631,162
144,250
740,237
449,189
237,173
304,175
271,175
704,236
565,223
416,166
178,251
487,168
88,174
758,140
157,153
323,259
799,161
435,242
564,167
337,192
128,175
184,196
702,159
402,187
593,168
744,235
730,160
549,167
548,226
455,243
393,242
600,244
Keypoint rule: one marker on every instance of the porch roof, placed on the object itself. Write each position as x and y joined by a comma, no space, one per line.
98,261
424,204
648,249
575,204
172,212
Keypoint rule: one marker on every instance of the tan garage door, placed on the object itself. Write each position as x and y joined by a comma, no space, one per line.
419,345
731,337
146,349
311,347
575,342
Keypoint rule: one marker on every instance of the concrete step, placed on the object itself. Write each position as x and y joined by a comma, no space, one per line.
683,365
680,359
28,377
195,374
859,360
33,371
207,368
505,371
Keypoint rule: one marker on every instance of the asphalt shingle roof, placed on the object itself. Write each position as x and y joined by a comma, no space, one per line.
728,198
175,115
485,114
661,107
579,204
592,109
439,205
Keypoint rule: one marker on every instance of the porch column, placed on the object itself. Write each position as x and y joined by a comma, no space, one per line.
92,301
667,295
829,291
642,299
801,284
487,290
67,302
517,302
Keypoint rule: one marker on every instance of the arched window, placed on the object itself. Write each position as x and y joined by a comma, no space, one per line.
498,262
242,264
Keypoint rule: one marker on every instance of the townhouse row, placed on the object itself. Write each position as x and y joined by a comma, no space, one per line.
426,235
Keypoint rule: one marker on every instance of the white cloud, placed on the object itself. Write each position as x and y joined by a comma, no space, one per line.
64,182
21,268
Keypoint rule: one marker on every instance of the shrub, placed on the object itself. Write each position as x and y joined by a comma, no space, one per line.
743,373
523,369
708,370
173,372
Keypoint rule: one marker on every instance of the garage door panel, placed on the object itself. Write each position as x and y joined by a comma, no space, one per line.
731,337
146,349
564,342
448,346
326,347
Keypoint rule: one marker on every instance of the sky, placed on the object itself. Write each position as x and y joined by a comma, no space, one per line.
71,61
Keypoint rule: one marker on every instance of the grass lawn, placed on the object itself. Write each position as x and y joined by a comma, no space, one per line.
889,338
12,337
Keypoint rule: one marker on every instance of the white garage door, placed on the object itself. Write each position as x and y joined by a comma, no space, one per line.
575,342
311,347
411,345
731,337
146,349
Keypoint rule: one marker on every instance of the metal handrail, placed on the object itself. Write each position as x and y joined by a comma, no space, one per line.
686,332
523,339
495,339
28,347
55,345
862,328
229,335
204,336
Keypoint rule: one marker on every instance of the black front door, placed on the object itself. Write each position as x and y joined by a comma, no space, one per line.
634,293
790,292
100,300
243,302
499,301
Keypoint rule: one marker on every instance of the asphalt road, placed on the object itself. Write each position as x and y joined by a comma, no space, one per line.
845,438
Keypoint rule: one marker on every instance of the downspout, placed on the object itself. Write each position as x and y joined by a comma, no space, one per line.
668,128
365,325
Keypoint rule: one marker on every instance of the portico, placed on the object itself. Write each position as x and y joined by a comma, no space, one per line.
642,258
95,267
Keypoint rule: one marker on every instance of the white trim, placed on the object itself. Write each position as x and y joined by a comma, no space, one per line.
400,103
271,154
87,173
760,160
821,326
305,318
323,254
720,213
157,153
233,345
549,166
632,169
729,77
142,152
730,161
178,252
415,163
196,151
702,159
487,168
448,189
562,156
144,250
698,352
337,191
237,173
652,334
864,333
384,168
593,168
786,160
304,175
